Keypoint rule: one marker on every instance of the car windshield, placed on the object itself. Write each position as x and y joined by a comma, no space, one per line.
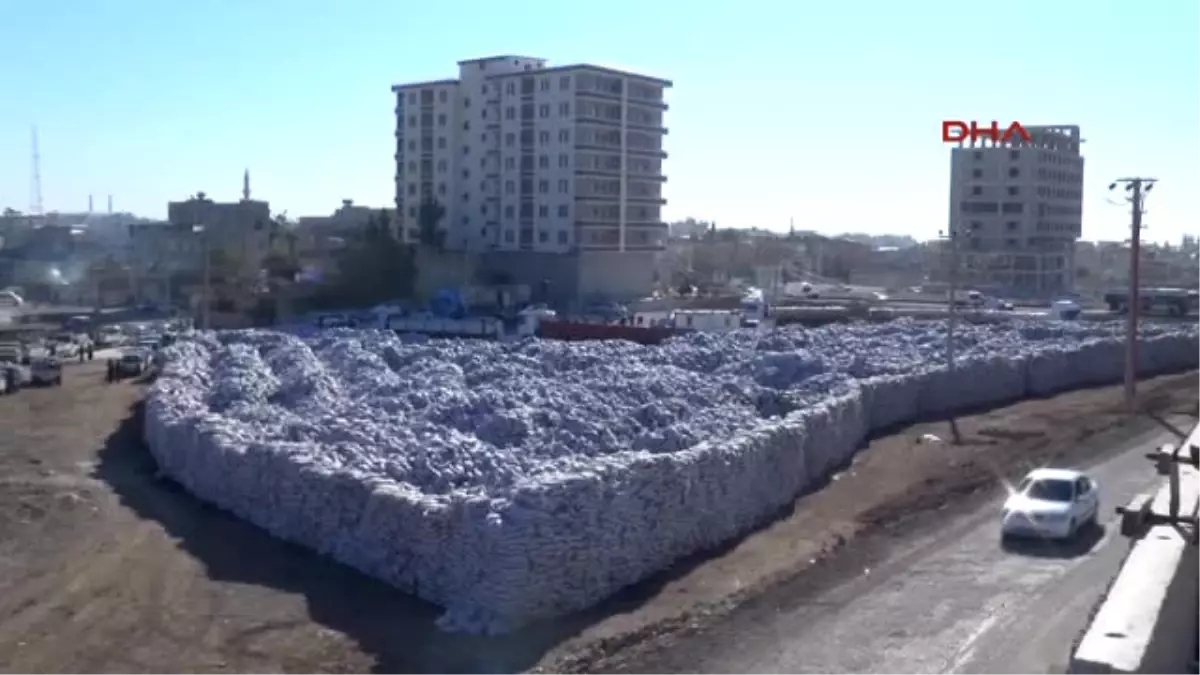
1051,490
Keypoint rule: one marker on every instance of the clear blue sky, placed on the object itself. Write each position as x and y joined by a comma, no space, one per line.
828,112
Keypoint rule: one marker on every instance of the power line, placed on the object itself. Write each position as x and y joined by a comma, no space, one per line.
1136,188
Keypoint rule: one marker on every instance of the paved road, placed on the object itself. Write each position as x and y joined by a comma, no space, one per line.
955,601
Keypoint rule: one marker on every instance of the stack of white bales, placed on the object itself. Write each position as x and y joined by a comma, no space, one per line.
508,482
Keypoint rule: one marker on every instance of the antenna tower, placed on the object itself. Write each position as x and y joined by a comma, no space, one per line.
35,186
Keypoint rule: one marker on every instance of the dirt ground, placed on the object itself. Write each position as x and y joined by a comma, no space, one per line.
104,568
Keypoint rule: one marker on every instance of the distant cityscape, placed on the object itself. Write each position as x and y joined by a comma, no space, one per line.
547,182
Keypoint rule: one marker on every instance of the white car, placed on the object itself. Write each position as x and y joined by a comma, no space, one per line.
133,362
1051,504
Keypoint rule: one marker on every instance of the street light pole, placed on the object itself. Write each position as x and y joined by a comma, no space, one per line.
206,288
1137,189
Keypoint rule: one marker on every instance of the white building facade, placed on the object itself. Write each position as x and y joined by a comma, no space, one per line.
530,158
1016,210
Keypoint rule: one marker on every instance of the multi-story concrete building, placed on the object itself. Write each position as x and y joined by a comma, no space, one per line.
527,158
1016,210
241,229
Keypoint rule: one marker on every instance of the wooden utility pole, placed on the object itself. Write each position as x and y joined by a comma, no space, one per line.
1137,189
952,320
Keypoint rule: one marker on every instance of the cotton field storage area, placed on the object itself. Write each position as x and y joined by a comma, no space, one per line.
513,481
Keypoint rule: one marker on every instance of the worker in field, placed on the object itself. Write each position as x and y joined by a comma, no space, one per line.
111,374
91,351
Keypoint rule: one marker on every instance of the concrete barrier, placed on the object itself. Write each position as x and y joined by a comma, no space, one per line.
1148,621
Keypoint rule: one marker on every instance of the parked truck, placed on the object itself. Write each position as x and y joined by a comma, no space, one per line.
1170,301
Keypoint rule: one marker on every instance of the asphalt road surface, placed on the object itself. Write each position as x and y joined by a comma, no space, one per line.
951,602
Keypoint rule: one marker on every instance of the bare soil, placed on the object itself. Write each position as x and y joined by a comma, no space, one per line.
105,568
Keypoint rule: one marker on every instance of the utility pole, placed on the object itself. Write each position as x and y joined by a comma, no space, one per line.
1137,189
206,293
952,320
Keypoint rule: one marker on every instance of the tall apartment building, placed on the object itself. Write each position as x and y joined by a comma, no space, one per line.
1016,209
530,158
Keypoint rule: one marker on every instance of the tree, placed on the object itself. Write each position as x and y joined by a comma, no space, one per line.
373,267
429,217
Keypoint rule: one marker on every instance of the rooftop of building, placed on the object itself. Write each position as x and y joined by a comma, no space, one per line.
543,69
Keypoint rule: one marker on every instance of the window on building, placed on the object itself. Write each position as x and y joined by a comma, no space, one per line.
1013,191
543,162
543,236
564,186
564,82
510,187
564,109
564,161
442,120
543,137
483,90
562,237
977,173
544,110
442,96
412,120
412,145
1014,172
545,84
510,163
510,113
412,166
412,98
564,135
563,210
466,101
441,188
509,237
509,212
1014,154
543,211
442,143
466,173
510,139
412,189
510,88
976,225
412,212
543,186
441,166
467,125
978,156
1012,225
976,190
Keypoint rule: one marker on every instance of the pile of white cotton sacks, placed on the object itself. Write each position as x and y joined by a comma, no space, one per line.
513,481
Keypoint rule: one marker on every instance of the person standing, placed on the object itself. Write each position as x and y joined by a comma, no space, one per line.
111,374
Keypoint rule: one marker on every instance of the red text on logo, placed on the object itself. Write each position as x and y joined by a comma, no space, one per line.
957,131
